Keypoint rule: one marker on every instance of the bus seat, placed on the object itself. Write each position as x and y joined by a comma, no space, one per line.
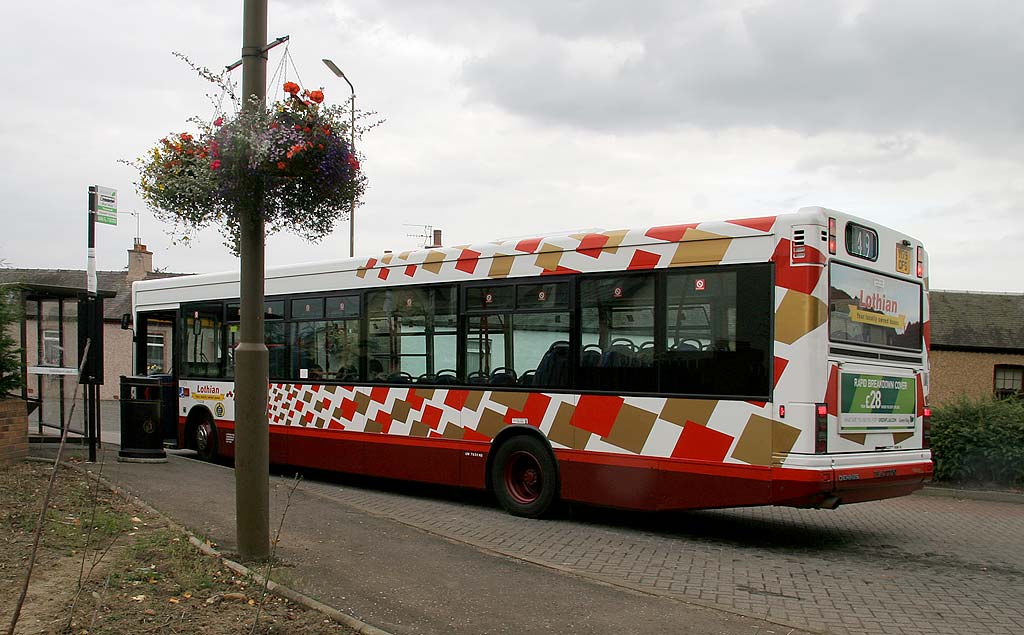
591,356
477,378
645,356
618,357
446,377
553,369
503,376
347,374
400,378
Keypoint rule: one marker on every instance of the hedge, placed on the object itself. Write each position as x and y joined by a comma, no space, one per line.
979,441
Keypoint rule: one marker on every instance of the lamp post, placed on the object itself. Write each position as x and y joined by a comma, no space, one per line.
352,144
252,434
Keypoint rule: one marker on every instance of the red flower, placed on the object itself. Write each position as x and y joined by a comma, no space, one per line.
215,165
353,162
281,165
219,121
186,136
291,88
317,96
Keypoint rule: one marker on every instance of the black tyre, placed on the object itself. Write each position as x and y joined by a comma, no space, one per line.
524,476
205,438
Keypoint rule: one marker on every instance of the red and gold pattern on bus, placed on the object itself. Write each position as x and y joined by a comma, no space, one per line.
621,451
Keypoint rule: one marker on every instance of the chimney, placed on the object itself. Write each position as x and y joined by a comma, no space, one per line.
140,262
437,240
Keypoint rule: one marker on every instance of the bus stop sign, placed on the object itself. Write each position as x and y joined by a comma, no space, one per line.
106,205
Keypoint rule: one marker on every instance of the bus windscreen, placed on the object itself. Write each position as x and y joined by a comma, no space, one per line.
872,309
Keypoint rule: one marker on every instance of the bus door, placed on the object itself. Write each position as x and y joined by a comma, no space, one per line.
155,357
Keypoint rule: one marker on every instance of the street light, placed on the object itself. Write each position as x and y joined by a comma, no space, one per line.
352,143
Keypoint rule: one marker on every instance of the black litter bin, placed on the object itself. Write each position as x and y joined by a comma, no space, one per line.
142,433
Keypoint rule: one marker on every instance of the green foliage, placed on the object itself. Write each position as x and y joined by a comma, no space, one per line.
979,441
10,353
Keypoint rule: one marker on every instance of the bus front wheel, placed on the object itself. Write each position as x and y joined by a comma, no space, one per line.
524,478
205,438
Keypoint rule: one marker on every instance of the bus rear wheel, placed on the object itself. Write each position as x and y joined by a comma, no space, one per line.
205,438
524,477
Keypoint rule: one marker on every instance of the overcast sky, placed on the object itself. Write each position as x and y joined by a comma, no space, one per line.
509,118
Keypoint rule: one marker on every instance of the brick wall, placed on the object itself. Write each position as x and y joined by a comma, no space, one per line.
13,430
956,373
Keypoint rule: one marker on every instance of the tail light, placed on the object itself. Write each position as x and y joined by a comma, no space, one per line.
820,428
920,261
926,427
832,236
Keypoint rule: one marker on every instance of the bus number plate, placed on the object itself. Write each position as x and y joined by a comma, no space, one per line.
903,259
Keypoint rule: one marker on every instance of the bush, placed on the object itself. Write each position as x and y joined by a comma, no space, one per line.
979,441
10,353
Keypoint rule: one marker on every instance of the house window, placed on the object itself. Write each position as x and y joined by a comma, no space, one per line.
1008,380
154,354
51,347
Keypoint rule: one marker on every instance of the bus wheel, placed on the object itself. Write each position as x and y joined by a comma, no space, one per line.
205,437
523,476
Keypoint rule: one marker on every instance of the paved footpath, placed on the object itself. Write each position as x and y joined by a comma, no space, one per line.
425,560
405,579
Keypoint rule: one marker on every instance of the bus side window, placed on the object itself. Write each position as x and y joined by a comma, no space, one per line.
617,333
519,335
411,334
718,332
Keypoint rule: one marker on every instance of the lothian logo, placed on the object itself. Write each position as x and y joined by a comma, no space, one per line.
878,302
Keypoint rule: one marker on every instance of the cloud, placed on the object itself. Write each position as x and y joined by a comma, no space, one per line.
891,159
507,118
877,67
968,239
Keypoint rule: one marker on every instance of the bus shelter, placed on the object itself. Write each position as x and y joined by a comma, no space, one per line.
53,329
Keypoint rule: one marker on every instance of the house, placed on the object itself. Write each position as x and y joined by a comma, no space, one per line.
51,327
977,345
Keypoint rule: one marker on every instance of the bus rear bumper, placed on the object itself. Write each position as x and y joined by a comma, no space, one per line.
840,480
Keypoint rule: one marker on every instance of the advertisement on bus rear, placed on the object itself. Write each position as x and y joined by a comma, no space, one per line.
877,403
868,308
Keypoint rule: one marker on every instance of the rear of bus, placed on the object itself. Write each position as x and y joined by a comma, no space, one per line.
868,363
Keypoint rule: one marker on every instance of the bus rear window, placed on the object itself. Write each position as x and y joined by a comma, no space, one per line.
872,309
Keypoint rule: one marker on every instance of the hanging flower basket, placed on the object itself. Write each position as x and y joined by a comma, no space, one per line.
297,153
